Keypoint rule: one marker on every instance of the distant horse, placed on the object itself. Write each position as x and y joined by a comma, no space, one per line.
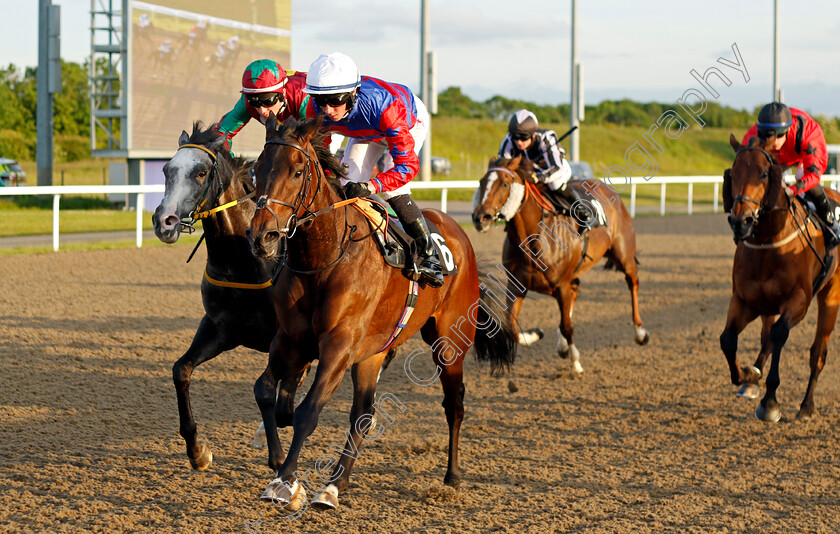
204,183
339,302
545,252
777,270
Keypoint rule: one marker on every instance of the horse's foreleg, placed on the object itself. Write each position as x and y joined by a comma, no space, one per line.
206,345
752,374
525,337
737,318
284,407
828,301
792,313
566,297
362,428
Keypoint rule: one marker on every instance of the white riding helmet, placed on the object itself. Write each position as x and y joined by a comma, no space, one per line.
331,74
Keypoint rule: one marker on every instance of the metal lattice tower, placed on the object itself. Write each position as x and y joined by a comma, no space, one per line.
108,66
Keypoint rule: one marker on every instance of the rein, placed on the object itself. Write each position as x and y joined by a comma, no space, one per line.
294,220
790,208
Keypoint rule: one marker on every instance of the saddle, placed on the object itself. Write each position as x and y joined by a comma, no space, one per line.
397,248
562,206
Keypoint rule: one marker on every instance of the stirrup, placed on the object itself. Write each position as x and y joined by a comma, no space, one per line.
431,271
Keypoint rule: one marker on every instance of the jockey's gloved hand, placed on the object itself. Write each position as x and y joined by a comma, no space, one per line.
356,189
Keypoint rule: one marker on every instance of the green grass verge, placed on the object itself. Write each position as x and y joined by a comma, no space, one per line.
187,242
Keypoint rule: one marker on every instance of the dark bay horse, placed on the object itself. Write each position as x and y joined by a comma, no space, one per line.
338,302
545,252
204,182
779,257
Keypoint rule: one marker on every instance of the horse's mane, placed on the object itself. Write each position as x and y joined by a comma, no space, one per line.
238,166
297,129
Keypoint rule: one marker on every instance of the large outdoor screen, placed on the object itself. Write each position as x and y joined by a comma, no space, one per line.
187,58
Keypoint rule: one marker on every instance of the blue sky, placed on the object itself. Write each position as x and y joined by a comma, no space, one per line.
638,50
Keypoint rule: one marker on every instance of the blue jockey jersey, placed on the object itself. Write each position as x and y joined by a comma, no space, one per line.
386,111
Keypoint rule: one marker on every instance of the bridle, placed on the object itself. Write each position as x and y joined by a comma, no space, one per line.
754,213
508,210
188,222
295,219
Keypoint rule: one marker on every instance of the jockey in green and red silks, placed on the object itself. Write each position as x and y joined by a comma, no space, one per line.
266,88
794,138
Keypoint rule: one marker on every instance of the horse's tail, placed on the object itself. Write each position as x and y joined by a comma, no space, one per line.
495,337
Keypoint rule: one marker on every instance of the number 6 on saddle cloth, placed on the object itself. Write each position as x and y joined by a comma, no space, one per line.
397,248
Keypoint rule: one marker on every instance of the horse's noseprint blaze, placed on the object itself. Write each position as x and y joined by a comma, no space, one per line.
778,268
338,302
544,251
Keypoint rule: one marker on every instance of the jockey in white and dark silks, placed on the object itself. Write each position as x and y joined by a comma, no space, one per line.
267,88
526,138
794,138
378,118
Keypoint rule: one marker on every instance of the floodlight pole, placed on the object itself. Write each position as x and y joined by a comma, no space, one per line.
425,93
575,104
777,90
49,83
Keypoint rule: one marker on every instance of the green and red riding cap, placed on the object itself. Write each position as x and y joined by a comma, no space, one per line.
263,76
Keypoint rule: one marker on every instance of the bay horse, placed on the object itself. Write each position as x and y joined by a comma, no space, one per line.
203,182
338,302
545,252
777,270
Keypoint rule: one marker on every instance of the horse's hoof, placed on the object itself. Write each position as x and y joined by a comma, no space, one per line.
772,415
563,353
805,415
327,500
260,441
642,336
529,337
452,480
577,368
203,460
289,496
749,391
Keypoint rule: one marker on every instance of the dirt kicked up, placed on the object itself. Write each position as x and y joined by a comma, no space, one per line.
649,439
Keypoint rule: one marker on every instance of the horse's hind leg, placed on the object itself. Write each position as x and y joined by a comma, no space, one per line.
449,358
626,263
752,374
566,297
365,376
207,343
828,301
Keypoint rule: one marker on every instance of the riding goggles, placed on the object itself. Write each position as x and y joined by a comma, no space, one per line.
520,136
263,100
331,100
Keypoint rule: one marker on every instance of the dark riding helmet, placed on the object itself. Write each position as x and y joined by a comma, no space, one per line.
774,119
522,123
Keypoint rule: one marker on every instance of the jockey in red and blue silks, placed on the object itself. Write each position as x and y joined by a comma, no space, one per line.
267,88
794,138
379,119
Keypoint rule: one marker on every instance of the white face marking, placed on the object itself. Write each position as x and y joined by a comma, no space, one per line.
492,177
179,167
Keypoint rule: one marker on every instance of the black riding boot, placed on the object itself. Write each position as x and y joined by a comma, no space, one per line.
579,209
415,226
832,230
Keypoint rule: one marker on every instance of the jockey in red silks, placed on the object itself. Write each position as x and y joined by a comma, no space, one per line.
267,88
794,138
378,118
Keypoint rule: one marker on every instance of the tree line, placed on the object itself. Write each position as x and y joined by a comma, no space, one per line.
18,103
452,102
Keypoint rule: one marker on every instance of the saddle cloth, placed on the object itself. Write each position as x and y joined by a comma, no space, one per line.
396,246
